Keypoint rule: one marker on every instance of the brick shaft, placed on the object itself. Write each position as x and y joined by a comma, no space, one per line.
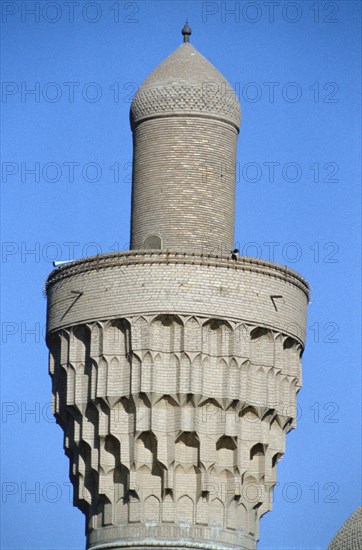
175,368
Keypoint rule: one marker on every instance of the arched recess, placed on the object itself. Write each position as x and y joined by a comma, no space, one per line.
152,509
104,512
134,507
146,373
259,332
80,344
188,413
253,520
112,454
286,404
226,452
216,381
241,341
258,384
187,450
206,366
275,459
271,392
91,484
90,427
242,516
84,484
292,352
244,380
71,377
116,338
91,371
212,415
262,346
146,449
217,511
252,491
135,366
289,343
168,508
185,374
231,513
81,384
54,345
102,374
60,393
196,372
277,435
216,337
166,373
96,339
279,352
121,482
140,334
118,377
64,346
167,333
163,416
140,409
153,242
150,470
185,509
257,460
233,380
249,423
226,485
193,332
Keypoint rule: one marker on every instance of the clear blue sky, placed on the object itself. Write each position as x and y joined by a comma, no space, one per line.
297,73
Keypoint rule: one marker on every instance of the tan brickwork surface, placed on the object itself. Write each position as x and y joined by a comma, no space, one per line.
175,380
184,184
120,284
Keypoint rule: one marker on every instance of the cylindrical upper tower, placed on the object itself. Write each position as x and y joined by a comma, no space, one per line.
185,120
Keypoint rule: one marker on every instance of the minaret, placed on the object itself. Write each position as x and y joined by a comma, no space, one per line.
176,365
185,120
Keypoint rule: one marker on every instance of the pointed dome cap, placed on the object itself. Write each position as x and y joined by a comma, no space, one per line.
186,83
349,537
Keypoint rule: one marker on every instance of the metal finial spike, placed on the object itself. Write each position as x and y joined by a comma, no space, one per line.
186,32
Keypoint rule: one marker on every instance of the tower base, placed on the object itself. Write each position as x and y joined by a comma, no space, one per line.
141,536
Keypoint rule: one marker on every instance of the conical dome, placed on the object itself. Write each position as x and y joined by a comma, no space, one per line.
349,537
186,83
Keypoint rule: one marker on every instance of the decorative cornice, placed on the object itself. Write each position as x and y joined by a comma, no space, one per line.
138,257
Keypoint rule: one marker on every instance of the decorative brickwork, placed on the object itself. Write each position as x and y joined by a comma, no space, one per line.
185,119
184,184
175,371
208,99
122,284
186,83
174,420
349,537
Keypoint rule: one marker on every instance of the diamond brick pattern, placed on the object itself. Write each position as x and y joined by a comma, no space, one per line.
172,100
349,536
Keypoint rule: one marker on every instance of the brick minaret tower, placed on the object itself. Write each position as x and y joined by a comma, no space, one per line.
175,365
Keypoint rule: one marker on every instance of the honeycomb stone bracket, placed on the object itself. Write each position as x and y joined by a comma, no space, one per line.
174,421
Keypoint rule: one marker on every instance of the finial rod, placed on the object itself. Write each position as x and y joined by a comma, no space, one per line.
186,32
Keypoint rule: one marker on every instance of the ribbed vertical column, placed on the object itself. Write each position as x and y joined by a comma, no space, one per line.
173,426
